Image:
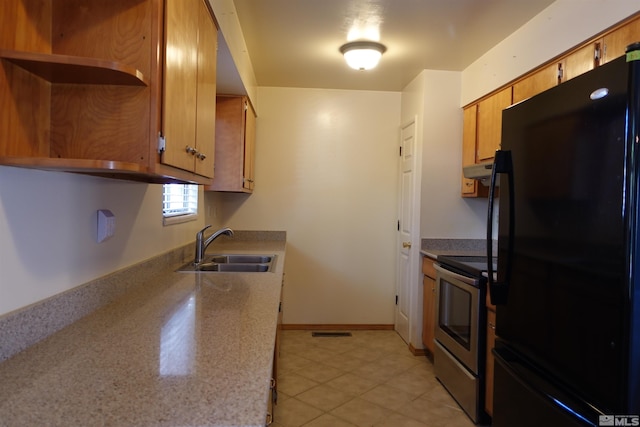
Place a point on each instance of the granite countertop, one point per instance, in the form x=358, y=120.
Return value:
x=179, y=349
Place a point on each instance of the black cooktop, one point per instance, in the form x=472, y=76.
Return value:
x=470, y=265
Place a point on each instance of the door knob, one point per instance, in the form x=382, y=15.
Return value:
x=406, y=244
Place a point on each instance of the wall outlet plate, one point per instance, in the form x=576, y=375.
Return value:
x=106, y=225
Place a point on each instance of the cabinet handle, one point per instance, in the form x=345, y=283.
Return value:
x=406, y=244
x=190, y=150
x=492, y=326
x=201, y=156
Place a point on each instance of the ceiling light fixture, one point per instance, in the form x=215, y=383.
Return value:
x=362, y=55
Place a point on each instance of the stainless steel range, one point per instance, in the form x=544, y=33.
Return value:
x=459, y=356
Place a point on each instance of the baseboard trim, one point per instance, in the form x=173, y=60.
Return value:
x=336, y=327
x=417, y=351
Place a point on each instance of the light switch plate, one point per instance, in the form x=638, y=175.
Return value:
x=106, y=224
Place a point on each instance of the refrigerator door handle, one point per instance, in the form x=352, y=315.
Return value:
x=499, y=290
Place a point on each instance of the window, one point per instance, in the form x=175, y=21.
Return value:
x=179, y=203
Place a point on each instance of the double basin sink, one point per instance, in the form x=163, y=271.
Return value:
x=240, y=263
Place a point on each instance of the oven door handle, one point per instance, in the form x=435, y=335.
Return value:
x=464, y=279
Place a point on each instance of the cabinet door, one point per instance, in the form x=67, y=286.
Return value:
x=491, y=342
x=469, y=147
x=180, y=82
x=249, y=147
x=537, y=82
x=428, y=303
x=616, y=42
x=235, y=142
x=206, y=93
x=490, y=123
x=581, y=60
x=229, y=162
x=428, y=319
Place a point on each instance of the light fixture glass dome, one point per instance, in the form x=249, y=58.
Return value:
x=362, y=55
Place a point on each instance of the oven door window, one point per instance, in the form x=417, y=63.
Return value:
x=454, y=316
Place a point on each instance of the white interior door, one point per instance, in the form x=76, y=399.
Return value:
x=405, y=230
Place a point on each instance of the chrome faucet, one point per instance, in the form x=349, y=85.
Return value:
x=201, y=244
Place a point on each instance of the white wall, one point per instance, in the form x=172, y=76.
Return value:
x=558, y=28
x=444, y=213
x=326, y=164
x=48, y=231
x=433, y=97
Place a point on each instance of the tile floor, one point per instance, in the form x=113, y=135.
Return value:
x=368, y=379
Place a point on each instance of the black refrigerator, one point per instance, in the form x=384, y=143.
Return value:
x=567, y=282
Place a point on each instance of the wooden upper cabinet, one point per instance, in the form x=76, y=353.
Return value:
x=189, y=86
x=469, y=120
x=537, y=82
x=180, y=82
x=482, y=127
x=490, y=123
x=471, y=187
x=75, y=84
x=235, y=142
x=582, y=60
x=616, y=42
x=81, y=87
x=206, y=103
x=601, y=50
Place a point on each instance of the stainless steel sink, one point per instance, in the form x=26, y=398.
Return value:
x=239, y=263
x=247, y=268
x=240, y=259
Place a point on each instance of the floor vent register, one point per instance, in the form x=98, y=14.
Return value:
x=330, y=334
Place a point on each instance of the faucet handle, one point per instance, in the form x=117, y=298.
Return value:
x=201, y=232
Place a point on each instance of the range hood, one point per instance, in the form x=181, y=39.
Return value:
x=480, y=171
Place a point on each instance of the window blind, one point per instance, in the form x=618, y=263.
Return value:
x=179, y=199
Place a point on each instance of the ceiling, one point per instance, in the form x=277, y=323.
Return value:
x=294, y=43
